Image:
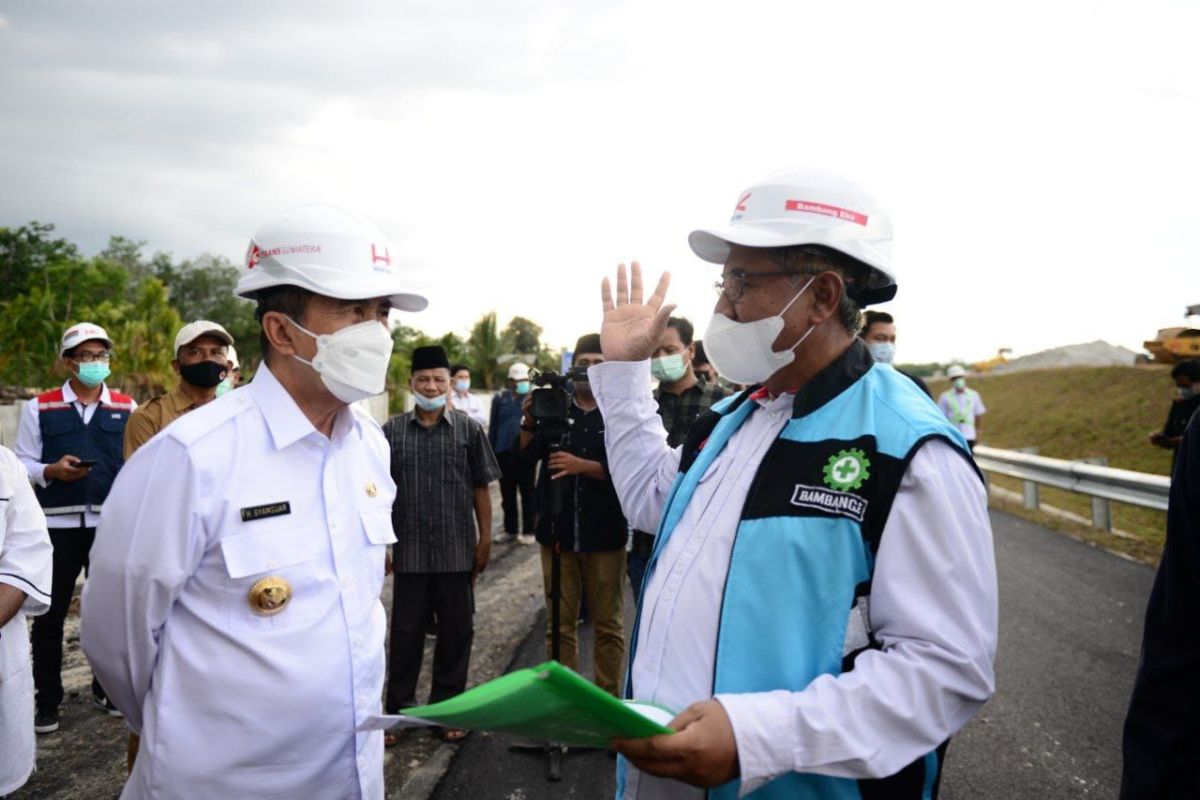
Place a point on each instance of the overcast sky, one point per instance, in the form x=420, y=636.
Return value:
x=1039, y=158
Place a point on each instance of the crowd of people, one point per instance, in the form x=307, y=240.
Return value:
x=803, y=528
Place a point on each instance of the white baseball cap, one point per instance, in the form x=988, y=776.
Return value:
x=329, y=251
x=231, y=354
x=956, y=371
x=201, y=327
x=518, y=372
x=809, y=206
x=83, y=332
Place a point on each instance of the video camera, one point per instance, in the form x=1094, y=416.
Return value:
x=550, y=404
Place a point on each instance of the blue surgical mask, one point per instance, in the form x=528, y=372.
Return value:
x=522, y=387
x=883, y=352
x=1187, y=392
x=429, y=403
x=93, y=373
x=462, y=386
x=224, y=386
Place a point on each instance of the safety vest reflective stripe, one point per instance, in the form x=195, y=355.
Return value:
x=50, y=512
x=962, y=415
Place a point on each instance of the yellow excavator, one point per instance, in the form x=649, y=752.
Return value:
x=1173, y=345
x=1001, y=357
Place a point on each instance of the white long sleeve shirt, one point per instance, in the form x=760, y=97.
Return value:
x=25, y=563
x=230, y=703
x=28, y=448
x=933, y=603
x=471, y=405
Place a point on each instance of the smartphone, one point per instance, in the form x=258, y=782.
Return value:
x=84, y=463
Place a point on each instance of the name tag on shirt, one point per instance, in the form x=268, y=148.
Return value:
x=251, y=513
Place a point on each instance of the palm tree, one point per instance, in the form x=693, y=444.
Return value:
x=485, y=346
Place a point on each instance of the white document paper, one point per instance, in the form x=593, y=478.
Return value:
x=383, y=722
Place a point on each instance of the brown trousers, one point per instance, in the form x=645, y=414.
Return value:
x=602, y=576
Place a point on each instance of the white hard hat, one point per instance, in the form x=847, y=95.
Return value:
x=955, y=371
x=518, y=372
x=83, y=332
x=329, y=251
x=232, y=355
x=201, y=327
x=815, y=207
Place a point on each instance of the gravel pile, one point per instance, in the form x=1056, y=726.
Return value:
x=1092, y=354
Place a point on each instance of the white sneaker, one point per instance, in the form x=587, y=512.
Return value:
x=526, y=538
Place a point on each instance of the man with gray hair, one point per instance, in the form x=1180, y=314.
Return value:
x=820, y=604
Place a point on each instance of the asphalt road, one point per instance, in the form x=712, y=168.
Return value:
x=1070, y=629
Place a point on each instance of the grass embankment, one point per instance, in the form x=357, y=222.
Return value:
x=1082, y=412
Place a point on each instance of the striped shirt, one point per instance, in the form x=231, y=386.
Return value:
x=436, y=471
x=679, y=411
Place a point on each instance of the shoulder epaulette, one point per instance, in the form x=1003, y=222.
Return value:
x=195, y=425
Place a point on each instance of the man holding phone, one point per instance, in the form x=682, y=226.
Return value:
x=70, y=442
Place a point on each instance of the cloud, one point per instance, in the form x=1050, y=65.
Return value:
x=1034, y=156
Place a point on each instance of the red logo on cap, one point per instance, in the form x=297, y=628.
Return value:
x=828, y=211
x=741, y=203
x=385, y=258
x=252, y=256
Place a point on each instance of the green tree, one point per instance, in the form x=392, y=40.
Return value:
x=548, y=359
x=523, y=336
x=202, y=288
x=485, y=346
x=70, y=290
x=143, y=334
x=25, y=253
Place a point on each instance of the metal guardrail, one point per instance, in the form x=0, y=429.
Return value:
x=1088, y=476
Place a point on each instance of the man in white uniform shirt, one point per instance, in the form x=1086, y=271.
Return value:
x=461, y=397
x=821, y=600
x=25, y=565
x=233, y=611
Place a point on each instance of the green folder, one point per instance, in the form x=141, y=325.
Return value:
x=549, y=702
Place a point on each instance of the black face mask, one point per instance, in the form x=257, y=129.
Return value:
x=204, y=375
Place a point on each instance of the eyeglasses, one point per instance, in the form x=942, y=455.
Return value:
x=88, y=358
x=734, y=283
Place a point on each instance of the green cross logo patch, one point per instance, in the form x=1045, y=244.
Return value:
x=847, y=469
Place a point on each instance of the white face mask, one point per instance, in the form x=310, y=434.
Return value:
x=352, y=362
x=883, y=352
x=742, y=352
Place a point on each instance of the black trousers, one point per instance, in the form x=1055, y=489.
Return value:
x=516, y=475
x=449, y=596
x=71, y=549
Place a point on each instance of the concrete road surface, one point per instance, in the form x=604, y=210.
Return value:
x=1070, y=629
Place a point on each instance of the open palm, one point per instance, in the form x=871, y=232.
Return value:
x=631, y=328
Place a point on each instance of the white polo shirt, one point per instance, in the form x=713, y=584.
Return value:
x=230, y=703
x=471, y=405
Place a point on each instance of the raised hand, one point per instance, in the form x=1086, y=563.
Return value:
x=631, y=329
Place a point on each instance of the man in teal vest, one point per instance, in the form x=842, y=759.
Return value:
x=820, y=604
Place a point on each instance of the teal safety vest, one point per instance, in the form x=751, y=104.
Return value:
x=804, y=551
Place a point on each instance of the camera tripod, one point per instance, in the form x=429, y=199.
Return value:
x=553, y=502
